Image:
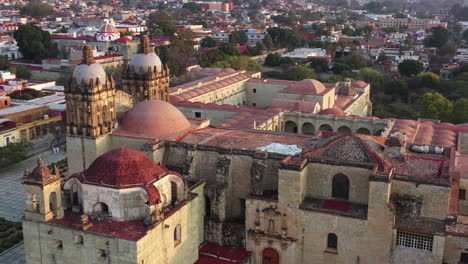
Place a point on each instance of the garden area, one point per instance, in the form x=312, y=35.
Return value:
x=10, y=234
x=27, y=94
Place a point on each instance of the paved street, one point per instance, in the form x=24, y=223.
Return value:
x=12, y=198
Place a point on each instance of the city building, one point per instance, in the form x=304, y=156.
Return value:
x=284, y=171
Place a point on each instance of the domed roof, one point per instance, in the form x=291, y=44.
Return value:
x=122, y=168
x=141, y=62
x=311, y=86
x=332, y=111
x=88, y=69
x=153, y=118
x=83, y=73
x=108, y=28
x=146, y=59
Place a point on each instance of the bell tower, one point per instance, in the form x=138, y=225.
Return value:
x=91, y=112
x=43, y=193
x=90, y=99
x=146, y=77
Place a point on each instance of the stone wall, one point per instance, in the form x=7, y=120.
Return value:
x=434, y=198
x=320, y=177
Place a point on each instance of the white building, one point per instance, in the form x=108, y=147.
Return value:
x=306, y=53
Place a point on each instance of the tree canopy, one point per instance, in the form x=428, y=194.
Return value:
x=208, y=42
x=436, y=106
x=34, y=43
x=439, y=36
x=192, y=6
x=410, y=67
x=302, y=72
x=238, y=37
x=37, y=9
x=160, y=24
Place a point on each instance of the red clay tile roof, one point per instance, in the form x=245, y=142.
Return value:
x=332, y=111
x=212, y=253
x=307, y=86
x=122, y=168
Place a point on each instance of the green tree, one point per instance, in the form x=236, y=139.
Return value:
x=354, y=60
x=210, y=57
x=243, y=63
x=259, y=46
x=229, y=49
x=34, y=43
x=465, y=35
x=369, y=75
x=174, y=67
x=460, y=111
x=193, y=7
x=268, y=42
x=4, y=63
x=347, y=31
x=23, y=72
x=436, y=106
x=238, y=37
x=37, y=9
x=273, y=59
x=398, y=88
x=286, y=61
x=382, y=57
x=13, y=153
x=320, y=65
x=341, y=68
x=410, y=67
x=208, y=42
x=429, y=80
x=158, y=22
x=439, y=36
x=302, y=72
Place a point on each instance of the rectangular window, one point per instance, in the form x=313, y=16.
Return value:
x=254, y=90
x=416, y=241
x=197, y=114
x=461, y=194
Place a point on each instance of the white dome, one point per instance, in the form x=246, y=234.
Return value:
x=140, y=62
x=83, y=73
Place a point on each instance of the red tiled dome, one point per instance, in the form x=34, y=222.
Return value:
x=153, y=118
x=108, y=28
x=307, y=86
x=122, y=168
x=359, y=84
x=332, y=111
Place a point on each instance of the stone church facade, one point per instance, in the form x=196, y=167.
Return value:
x=303, y=176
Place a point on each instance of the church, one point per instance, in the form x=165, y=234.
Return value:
x=232, y=168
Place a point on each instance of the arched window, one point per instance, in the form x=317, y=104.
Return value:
x=271, y=226
x=308, y=128
x=363, y=130
x=74, y=195
x=340, y=187
x=325, y=127
x=270, y=256
x=290, y=126
x=173, y=192
x=332, y=241
x=344, y=130
x=53, y=203
x=101, y=208
x=177, y=235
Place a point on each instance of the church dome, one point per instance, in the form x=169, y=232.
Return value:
x=108, y=28
x=83, y=73
x=122, y=168
x=153, y=118
x=88, y=69
x=146, y=58
x=141, y=62
x=306, y=86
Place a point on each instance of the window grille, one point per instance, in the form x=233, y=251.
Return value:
x=416, y=241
